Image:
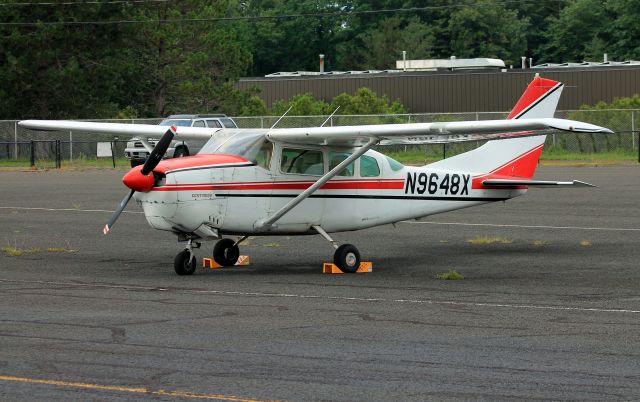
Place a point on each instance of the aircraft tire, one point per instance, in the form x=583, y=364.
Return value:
x=181, y=152
x=347, y=258
x=226, y=252
x=184, y=264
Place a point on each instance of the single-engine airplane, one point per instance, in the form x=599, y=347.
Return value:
x=321, y=180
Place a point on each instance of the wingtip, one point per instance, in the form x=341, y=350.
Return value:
x=105, y=230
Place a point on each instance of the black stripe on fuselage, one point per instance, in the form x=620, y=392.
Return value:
x=367, y=197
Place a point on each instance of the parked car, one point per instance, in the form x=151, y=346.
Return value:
x=137, y=153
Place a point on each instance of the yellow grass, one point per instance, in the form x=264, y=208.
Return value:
x=17, y=252
x=452, y=275
x=486, y=240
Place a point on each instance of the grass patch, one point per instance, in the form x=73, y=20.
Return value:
x=18, y=252
x=550, y=156
x=271, y=244
x=80, y=163
x=12, y=251
x=486, y=240
x=539, y=243
x=585, y=243
x=620, y=155
x=452, y=275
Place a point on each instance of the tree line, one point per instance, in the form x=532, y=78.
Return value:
x=151, y=58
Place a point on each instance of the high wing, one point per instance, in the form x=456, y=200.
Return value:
x=143, y=130
x=428, y=133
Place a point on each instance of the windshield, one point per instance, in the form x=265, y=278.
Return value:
x=247, y=144
x=173, y=122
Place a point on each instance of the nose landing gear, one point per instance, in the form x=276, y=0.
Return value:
x=185, y=261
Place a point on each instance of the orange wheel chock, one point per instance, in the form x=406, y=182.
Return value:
x=210, y=262
x=329, y=268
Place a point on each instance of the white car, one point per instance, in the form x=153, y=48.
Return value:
x=137, y=153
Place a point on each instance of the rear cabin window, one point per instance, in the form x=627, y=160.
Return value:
x=302, y=161
x=214, y=124
x=395, y=165
x=334, y=160
x=369, y=167
x=198, y=123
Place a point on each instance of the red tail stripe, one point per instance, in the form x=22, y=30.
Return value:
x=537, y=88
x=522, y=166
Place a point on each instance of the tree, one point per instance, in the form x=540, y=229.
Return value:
x=366, y=101
x=292, y=44
x=488, y=30
x=186, y=65
x=578, y=33
x=539, y=14
x=62, y=71
x=624, y=42
x=381, y=45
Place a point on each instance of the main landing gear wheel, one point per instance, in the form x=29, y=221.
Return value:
x=184, y=264
x=180, y=153
x=226, y=252
x=347, y=258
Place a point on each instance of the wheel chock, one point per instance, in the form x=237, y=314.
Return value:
x=329, y=268
x=211, y=263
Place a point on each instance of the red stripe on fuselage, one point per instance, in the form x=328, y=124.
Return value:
x=384, y=184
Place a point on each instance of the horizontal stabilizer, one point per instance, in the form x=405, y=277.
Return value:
x=533, y=183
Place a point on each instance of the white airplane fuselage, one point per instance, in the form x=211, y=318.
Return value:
x=232, y=199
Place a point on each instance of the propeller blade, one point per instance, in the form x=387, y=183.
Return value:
x=158, y=151
x=117, y=212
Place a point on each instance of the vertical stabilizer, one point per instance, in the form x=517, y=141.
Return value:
x=516, y=157
x=540, y=99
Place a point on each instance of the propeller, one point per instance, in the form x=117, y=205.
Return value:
x=139, y=179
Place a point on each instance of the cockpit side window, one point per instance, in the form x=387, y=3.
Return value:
x=302, y=161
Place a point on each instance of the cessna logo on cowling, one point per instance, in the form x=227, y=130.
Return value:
x=434, y=183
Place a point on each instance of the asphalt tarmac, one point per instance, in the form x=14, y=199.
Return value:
x=550, y=312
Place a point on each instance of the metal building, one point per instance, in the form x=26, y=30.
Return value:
x=461, y=90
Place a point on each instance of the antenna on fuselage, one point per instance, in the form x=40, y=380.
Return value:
x=328, y=118
x=278, y=121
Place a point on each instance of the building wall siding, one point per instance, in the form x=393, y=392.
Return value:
x=442, y=92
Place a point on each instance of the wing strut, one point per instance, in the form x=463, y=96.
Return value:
x=264, y=224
